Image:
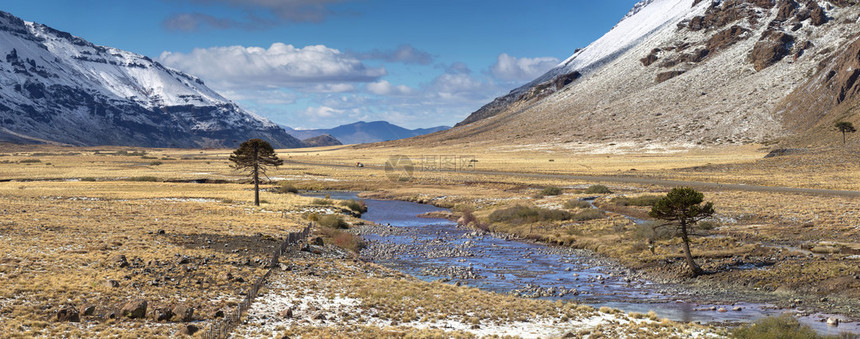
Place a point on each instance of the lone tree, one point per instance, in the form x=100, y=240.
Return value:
x=845, y=127
x=255, y=156
x=682, y=207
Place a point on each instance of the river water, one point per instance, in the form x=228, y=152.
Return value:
x=437, y=249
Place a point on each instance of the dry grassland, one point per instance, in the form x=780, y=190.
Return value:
x=68, y=212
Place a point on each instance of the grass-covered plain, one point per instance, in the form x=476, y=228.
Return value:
x=69, y=212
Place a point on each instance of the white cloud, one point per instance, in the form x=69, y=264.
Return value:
x=510, y=68
x=323, y=112
x=385, y=88
x=279, y=66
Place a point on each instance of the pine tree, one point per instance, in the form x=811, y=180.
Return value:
x=255, y=156
x=682, y=207
x=845, y=127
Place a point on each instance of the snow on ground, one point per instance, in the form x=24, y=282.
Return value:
x=314, y=306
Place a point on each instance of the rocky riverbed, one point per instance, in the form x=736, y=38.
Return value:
x=435, y=249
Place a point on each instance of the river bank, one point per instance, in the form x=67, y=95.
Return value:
x=706, y=301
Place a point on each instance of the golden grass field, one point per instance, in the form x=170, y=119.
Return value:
x=67, y=212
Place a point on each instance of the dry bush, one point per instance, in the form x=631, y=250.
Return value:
x=520, y=214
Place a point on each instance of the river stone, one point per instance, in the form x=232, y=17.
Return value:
x=722, y=309
x=832, y=321
x=737, y=309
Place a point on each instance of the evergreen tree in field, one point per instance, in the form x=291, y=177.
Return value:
x=845, y=127
x=255, y=156
x=682, y=208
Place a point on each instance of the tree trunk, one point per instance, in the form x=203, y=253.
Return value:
x=843, y=137
x=256, y=176
x=695, y=270
x=256, y=185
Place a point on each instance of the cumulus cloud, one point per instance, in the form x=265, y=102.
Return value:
x=385, y=88
x=510, y=68
x=259, y=13
x=311, y=69
x=404, y=53
x=323, y=112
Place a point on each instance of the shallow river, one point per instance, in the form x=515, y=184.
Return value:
x=433, y=249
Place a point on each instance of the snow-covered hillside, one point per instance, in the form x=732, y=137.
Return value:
x=58, y=87
x=683, y=72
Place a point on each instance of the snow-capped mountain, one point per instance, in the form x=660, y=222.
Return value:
x=57, y=87
x=686, y=72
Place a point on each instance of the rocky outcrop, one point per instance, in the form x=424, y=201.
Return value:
x=661, y=77
x=827, y=96
x=773, y=47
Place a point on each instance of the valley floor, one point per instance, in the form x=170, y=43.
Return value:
x=105, y=226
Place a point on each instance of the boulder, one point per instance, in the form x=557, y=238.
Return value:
x=188, y=329
x=833, y=321
x=110, y=283
x=162, y=314
x=183, y=313
x=134, y=309
x=68, y=314
x=318, y=241
x=89, y=310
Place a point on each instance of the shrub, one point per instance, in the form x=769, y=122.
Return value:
x=343, y=239
x=331, y=221
x=576, y=203
x=469, y=219
x=782, y=327
x=643, y=200
x=322, y=202
x=552, y=190
x=598, y=189
x=707, y=225
x=155, y=163
x=30, y=161
x=354, y=205
x=88, y=179
x=286, y=188
x=589, y=214
x=520, y=214
x=146, y=157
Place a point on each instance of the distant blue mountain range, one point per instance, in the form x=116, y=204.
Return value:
x=365, y=132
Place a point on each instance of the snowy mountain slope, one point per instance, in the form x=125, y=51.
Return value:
x=645, y=19
x=61, y=88
x=676, y=72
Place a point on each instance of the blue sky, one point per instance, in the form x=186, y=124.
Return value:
x=322, y=63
